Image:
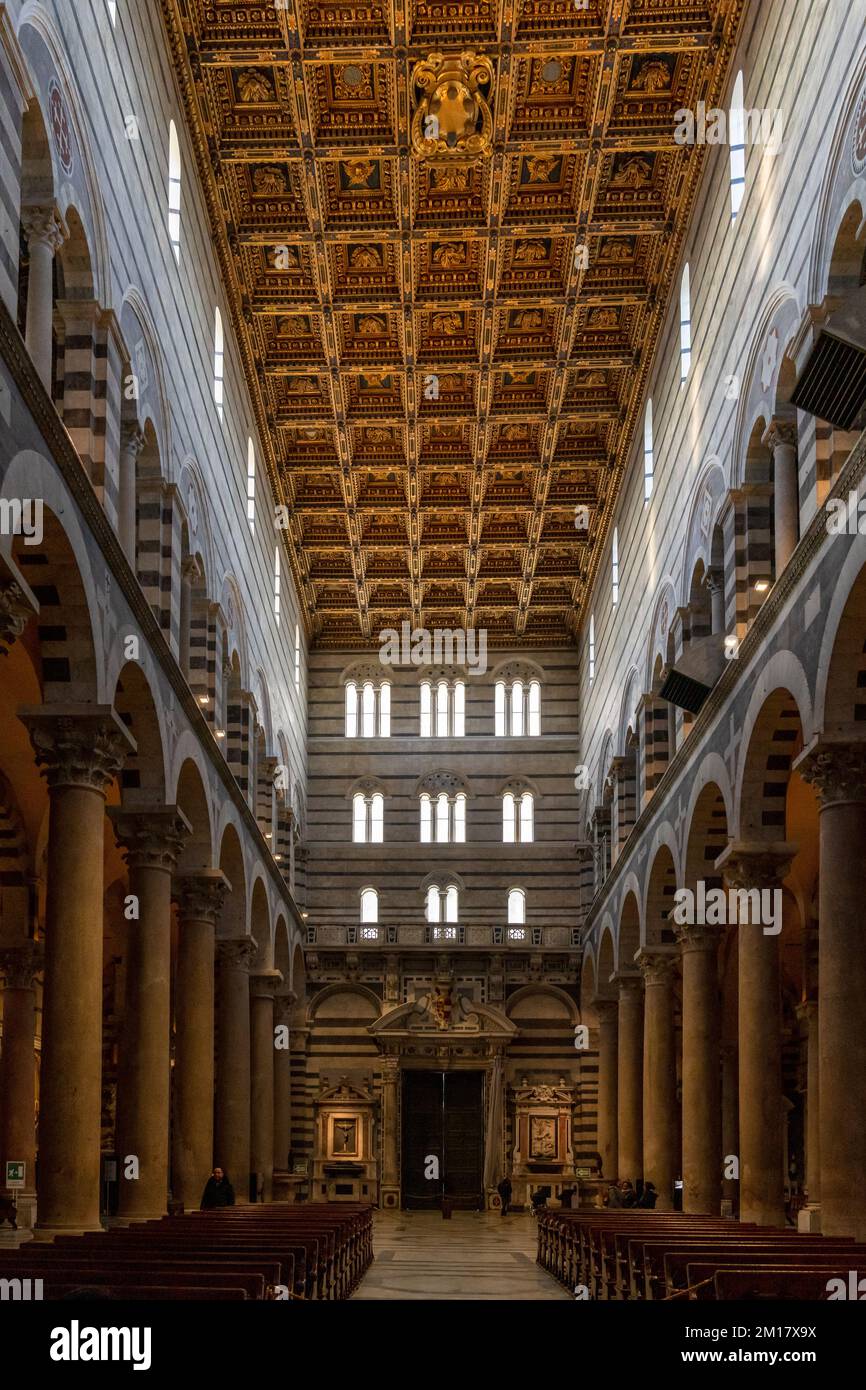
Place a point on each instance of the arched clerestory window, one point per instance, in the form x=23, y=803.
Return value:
x=174, y=181
x=737, y=136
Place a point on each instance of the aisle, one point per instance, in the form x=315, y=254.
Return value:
x=474, y=1255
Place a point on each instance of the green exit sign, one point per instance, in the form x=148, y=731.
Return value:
x=15, y=1172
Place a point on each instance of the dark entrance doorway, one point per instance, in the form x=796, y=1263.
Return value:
x=443, y=1117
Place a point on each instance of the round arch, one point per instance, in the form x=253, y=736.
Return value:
x=779, y=712
x=231, y=861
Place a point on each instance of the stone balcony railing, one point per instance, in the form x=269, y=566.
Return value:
x=446, y=934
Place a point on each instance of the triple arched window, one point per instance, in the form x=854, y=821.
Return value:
x=368, y=818
x=443, y=818
x=517, y=708
x=368, y=709
x=443, y=709
x=518, y=818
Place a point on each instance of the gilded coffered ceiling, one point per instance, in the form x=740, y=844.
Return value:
x=448, y=232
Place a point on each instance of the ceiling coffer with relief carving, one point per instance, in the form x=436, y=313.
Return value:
x=448, y=234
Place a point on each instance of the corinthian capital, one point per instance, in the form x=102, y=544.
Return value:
x=43, y=226
x=780, y=432
x=697, y=936
x=78, y=745
x=151, y=838
x=836, y=768
x=21, y=964
x=200, y=896
x=756, y=865
x=236, y=953
x=657, y=964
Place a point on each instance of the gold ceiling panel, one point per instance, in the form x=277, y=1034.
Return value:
x=448, y=231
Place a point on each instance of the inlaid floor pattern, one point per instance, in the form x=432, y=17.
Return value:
x=474, y=1255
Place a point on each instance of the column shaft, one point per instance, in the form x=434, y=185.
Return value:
x=282, y=1084
x=700, y=1080
x=760, y=1090
x=18, y=1063
x=813, y=1091
x=152, y=839
x=660, y=1079
x=630, y=1080
x=232, y=1129
x=262, y=1082
x=82, y=752
x=730, y=1121
x=608, y=1070
x=200, y=898
x=842, y=1018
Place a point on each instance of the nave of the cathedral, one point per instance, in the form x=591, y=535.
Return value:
x=432, y=652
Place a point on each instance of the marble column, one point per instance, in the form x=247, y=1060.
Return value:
x=132, y=442
x=232, y=1127
x=390, y=1184
x=730, y=1121
x=81, y=748
x=757, y=868
x=200, y=897
x=781, y=439
x=46, y=232
x=20, y=965
x=608, y=1033
x=151, y=840
x=284, y=1003
x=660, y=1073
x=807, y=1012
x=837, y=770
x=701, y=1098
x=630, y=1078
x=715, y=582
x=263, y=985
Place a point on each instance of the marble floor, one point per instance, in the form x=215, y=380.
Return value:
x=475, y=1255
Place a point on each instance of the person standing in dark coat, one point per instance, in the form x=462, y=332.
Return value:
x=504, y=1190
x=218, y=1191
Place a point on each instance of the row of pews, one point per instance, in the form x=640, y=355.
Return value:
x=272, y=1251
x=668, y=1255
